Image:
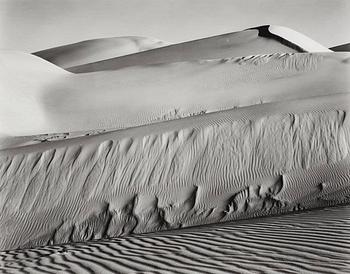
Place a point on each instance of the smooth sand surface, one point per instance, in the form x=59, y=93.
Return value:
x=310, y=242
x=98, y=49
x=45, y=99
x=254, y=41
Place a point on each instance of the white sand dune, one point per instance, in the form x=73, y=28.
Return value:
x=298, y=39
x=50, y=100
x=310, y=242
x=259, y=160
x=254, y=41
x=98, y=49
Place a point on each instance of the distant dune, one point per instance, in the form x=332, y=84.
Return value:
x=254, y=41
x=292, y=38
x=97, y=49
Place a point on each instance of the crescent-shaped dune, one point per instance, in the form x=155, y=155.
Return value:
x=98, y=49
x=254, y=41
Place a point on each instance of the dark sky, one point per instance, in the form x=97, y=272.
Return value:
x=31, y=25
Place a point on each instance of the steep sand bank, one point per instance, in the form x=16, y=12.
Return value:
x=260, y=160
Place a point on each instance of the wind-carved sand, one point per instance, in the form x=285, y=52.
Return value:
x=242, y=163
x=165, y=146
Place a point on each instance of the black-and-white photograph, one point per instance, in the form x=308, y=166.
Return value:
x=174, y=136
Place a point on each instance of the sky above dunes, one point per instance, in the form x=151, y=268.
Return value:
x=31, y=25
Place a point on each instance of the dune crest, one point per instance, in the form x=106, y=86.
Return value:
x=98, y=49
x=255, y=41
x=298, y=39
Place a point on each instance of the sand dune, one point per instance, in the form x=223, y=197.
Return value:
x=178, y=140
x=98, y=49
x=63, y=102
x=259, y=160
x=295, y=39
x=254, y=41
x=309, y=242
x=23, y=80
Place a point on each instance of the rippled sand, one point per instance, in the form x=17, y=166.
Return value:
x=310, y=242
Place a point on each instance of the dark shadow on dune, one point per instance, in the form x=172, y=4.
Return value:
x=343, y=47
x=265, y=32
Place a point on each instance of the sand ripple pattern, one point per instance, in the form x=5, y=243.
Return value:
x=178, y=178
x=310, y=242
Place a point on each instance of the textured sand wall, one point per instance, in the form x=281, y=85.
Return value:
x=222, y=171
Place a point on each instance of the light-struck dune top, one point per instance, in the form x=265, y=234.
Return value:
x=258, y=40
x=98, y=49
x=298, y=39
x=39, y=98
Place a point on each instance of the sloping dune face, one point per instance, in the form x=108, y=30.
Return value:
x=254, y=41
x=310, y=242
x=98, y=49
x=108, y=100
x=258, y=160
x=23, y=78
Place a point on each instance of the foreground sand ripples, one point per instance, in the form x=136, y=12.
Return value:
x=310, y=242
